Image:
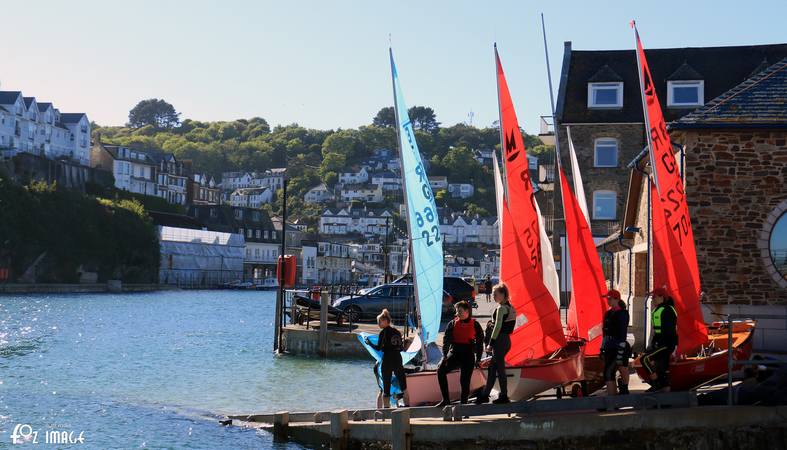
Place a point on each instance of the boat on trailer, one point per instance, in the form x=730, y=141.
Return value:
x=710, y=362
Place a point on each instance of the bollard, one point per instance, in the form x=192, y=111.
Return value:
x=281, y=423
x=324, y=327
x=340, y=430
x=400, y=429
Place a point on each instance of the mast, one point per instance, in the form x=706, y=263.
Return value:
x=407, y=206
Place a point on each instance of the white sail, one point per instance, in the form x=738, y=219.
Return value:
x=579, y=189
x=500, y=198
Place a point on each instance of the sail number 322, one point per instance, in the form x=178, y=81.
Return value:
x=426, y=220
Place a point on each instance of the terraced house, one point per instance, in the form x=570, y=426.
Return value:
x=38, y=128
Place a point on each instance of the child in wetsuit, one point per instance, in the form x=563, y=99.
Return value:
x=391, y=344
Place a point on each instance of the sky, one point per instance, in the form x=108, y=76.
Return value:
x=324, y=64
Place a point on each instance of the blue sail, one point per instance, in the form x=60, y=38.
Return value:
x=423, y=224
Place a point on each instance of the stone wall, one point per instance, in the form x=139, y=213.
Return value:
x=735, y=181
x=630, y=139
x=26, y=167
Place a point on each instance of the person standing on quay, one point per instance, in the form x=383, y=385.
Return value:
x=615, y=346
x=390, y=342
x=665, y=338
x=504, y=319
x=488, y=288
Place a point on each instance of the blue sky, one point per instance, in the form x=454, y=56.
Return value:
x=324, y=64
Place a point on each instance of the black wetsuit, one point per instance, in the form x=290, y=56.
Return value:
x=614, y=345
x=390, y=342
x=460, y=351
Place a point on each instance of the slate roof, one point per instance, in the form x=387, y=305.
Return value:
x=685, y=72
x=28, y=101
x=8, y=97
x=42, y=107
x=71, y=117
x=760, y=101
x=721, y=68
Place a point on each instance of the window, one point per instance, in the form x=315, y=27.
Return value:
x=240, y=231
x=273, y=234
x=249, y=232
x=605, y=95
x=685, y=93
x=265, y=233
x=239, y=214
x=606, y=153
x=778, y=245
x=213, y=213
x=258, y=234
x=604, y=205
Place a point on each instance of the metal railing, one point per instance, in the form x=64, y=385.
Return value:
x=731, y=361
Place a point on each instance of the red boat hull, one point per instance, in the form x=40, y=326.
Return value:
x=689, y=372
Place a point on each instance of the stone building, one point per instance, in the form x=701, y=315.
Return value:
x=735, y=169
x=599, y=100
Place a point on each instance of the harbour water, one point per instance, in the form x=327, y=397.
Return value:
x=157, y=370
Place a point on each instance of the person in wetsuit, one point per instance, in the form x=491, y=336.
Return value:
x=390, y=342
x=614, y=346
x=504, y=319
x=463, y=343
x=665, y=338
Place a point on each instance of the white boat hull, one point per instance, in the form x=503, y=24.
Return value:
x=424, y=389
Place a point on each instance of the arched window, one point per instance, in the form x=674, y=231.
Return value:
x=604, y=205
x=605, y=152
x=778, y=245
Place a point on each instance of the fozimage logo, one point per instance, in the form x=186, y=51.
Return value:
x=24, y=433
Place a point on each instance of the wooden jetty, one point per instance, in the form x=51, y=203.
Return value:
x=590, y=422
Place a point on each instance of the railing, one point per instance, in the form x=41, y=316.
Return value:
x=546, y=125
x=731, y=362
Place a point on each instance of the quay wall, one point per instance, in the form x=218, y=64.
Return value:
x=307, y=343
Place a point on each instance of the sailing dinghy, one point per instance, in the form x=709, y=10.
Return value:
x=426, y=260
x=540, y=358
x=701, y=356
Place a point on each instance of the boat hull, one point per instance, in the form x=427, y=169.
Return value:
x=689, y=372
x=423, y=388
x=538, y=375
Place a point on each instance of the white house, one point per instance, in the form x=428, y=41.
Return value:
x=394, y=164
x=39, y=128
x=134, y=170
x=460, y=190
x=271, y=178
x=366, y=221
x=251, y=197
x=362, y=176
x=235, y=180
x=388, y=180
x=172, y=179
x=333, y=262
x=366, y=192
x=318, y=194
x=460, y=229
x=438, y=183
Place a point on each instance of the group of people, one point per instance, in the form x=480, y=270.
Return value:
x=465, y=341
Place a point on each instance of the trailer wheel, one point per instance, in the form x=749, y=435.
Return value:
x=576, y=390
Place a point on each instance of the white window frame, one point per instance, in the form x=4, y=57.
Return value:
x=595, y=199
x=595, y=151
x=700, y=92
x=592, y=87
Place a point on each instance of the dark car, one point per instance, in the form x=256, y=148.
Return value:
x=397, y=297
x=456, y=287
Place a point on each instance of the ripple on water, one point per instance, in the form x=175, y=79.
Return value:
x=156, y=368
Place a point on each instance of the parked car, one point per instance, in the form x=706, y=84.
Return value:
x=456, y=287
x=397, y=297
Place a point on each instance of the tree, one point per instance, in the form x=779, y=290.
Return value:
x=155, y=112
x=423, y=118
x=460, y=164
x=385, y=117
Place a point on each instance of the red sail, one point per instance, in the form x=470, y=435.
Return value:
x=587, y=308
x=670, y=268
x=682, y=279
x=521, y=197
x=539, y=331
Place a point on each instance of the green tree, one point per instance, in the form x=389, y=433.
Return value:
x=154, y=112
x=423, y=118
x=460, y=164
x=385, y=117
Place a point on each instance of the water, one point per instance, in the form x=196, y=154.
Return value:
x=156, y=370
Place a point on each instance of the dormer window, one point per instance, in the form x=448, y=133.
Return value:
x=685, y=93
x=605, y=95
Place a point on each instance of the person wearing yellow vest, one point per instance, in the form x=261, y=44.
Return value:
x=665, y=338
